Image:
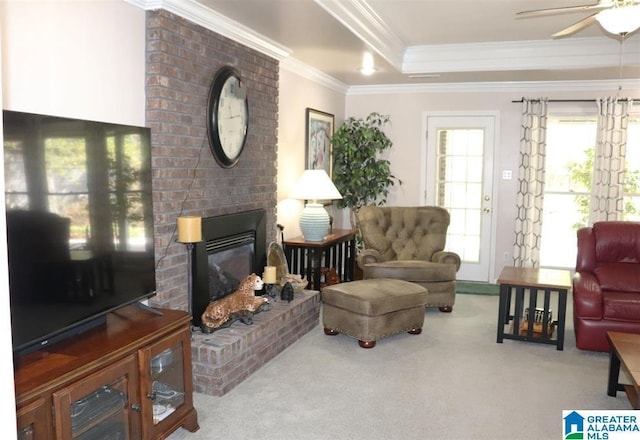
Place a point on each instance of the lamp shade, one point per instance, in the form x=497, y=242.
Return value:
x=620, y=20
x=315, y=185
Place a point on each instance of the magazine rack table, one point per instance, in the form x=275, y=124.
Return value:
x=515, y=280
x=337, y=251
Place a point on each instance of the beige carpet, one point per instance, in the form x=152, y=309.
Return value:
x=451, y=382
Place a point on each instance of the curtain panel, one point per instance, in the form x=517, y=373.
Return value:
x=607, y=188
x=528, y=225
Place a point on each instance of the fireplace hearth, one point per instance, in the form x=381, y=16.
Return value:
x=223, y=359
x=232, y=247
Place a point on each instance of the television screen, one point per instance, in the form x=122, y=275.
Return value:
x=79, y=223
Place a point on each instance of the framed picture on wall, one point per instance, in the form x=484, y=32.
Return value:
x=318, y=140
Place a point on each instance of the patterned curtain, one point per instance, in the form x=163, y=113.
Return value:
x=528, y=227
x=608, y=168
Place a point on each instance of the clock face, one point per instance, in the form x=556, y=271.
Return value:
x=228, y=116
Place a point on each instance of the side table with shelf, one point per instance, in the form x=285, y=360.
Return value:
x=516, y=280
x=336, y=251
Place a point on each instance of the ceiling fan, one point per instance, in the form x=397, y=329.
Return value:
x=618, y=17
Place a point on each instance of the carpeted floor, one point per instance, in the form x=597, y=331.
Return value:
x=451, y=382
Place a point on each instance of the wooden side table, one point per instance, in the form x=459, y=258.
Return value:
x=625, y=352
x=517, y=280
x=337, y=251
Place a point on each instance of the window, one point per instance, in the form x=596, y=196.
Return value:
x=568, y=173
x=459, y=188
x=69, y=168
x=66, y=183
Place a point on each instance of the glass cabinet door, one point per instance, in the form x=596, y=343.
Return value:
x=163, y=381
x=103, y=406
x=167, y=386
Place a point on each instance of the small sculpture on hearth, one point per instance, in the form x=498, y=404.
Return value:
x=241, y=304
x=271, y=290
x=287, y=292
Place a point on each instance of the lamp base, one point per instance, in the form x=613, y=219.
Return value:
x=314, y=222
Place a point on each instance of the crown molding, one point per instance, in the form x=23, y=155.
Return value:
x=520, y=55
x=497, y=87
x=218, y=23
x=304, y=70
x=363, y=21
x=514, y=55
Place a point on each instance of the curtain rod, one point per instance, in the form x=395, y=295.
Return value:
x=569, y=100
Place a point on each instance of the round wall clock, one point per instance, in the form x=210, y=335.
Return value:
x=227, y=116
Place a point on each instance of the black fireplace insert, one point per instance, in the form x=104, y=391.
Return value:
x=232, y=247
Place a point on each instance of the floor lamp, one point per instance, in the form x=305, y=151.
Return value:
x=190, y=232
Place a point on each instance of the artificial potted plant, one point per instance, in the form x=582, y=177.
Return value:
x=360, y=174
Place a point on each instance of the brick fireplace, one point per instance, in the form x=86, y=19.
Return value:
x=181, y=61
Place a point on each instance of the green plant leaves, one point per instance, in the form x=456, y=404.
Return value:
x=361, y=176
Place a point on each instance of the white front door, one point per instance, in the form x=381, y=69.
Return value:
x=458, y=176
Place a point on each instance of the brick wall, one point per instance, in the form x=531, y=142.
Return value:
x=182, y=59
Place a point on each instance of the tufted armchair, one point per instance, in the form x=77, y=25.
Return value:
x=407, y=243
x=606, y=285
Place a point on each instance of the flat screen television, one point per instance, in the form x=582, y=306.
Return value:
x=79, y=223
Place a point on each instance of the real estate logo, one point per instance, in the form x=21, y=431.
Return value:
x=600, y=425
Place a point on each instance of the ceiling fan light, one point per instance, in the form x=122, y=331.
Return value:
x=621, y=20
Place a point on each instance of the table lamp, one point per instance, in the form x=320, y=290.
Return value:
x=190, y=232
x=315, y=185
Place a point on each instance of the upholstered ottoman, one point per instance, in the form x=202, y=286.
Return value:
x=438, y=278
x=372, y=309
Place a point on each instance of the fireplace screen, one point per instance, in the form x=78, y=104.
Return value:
x=230, y=261
x=233, y=246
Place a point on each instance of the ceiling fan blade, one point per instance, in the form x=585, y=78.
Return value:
x=551, y=11
x=576, y=26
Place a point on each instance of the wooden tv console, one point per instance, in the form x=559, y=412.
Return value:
x=130, y=378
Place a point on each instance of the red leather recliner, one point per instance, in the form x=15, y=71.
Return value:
x=606, y=285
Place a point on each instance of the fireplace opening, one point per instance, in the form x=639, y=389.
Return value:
x=233, y=246
x=230, y=260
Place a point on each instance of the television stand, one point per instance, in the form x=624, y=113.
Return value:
x=139, y=364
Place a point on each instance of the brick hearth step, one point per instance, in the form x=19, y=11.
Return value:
x=223, y=359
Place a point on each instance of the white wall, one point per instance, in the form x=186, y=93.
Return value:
x=406, y=110
x=296, y=94
x=83, y=59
